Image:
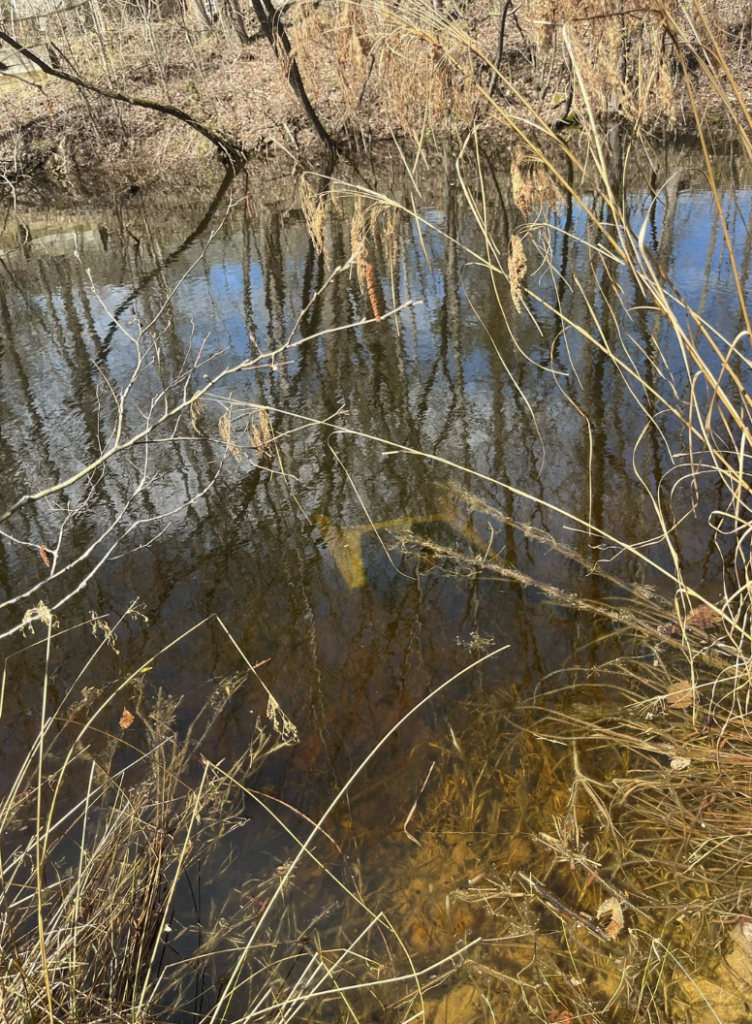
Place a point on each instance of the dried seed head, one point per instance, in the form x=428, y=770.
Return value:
x=260, y=432
x=517, y=269
x=197, y=410
x=225, y=432
x=281, y=724
x=314, y=211
x=42, y=613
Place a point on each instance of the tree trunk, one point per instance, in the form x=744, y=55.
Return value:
x=499, y=49
x=235, y=16
x=274, y=29
x=200, y=11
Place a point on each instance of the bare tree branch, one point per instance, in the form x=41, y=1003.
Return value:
x=230, y=149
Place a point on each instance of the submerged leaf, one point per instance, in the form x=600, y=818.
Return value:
x=126, y=719
x=704, y=618
x=612, y=907
x=680, y=695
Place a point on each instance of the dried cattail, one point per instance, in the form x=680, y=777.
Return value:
x=367, y=277
x=260, y=432
x=225, y=432
x=313, y=206
x=517, y=269
x=371, y=287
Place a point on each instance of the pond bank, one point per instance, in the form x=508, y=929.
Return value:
x=370, y=76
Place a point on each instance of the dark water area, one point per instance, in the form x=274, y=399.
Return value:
x=349, y=627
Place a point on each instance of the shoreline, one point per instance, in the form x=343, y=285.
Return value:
x=61, y=139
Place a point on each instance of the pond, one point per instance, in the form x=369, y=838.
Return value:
x=305, y=547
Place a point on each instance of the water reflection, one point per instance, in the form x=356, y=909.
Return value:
x=351, y=633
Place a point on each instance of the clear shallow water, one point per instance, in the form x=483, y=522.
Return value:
x=346, y=657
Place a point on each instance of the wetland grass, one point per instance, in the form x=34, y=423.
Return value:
x=105, y=832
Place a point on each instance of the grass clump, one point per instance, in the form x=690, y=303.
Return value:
x=105, y=839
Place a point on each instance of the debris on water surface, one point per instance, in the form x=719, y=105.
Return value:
x=680, y=764
x=126, y=719
x=680, y=695
x=611, y=908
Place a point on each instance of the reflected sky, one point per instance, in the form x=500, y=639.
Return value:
x=458, y=374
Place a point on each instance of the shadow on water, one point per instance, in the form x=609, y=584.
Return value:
x=351, y=626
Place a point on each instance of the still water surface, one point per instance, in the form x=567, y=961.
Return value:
x=348, y=645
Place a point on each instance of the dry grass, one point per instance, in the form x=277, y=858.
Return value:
x=628, y=783
x=123, y=810
x=125, y=895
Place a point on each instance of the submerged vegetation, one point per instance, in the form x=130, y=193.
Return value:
x=577, y=852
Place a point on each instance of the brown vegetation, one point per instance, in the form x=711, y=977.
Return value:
x=620, y=886
x=355, y=72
